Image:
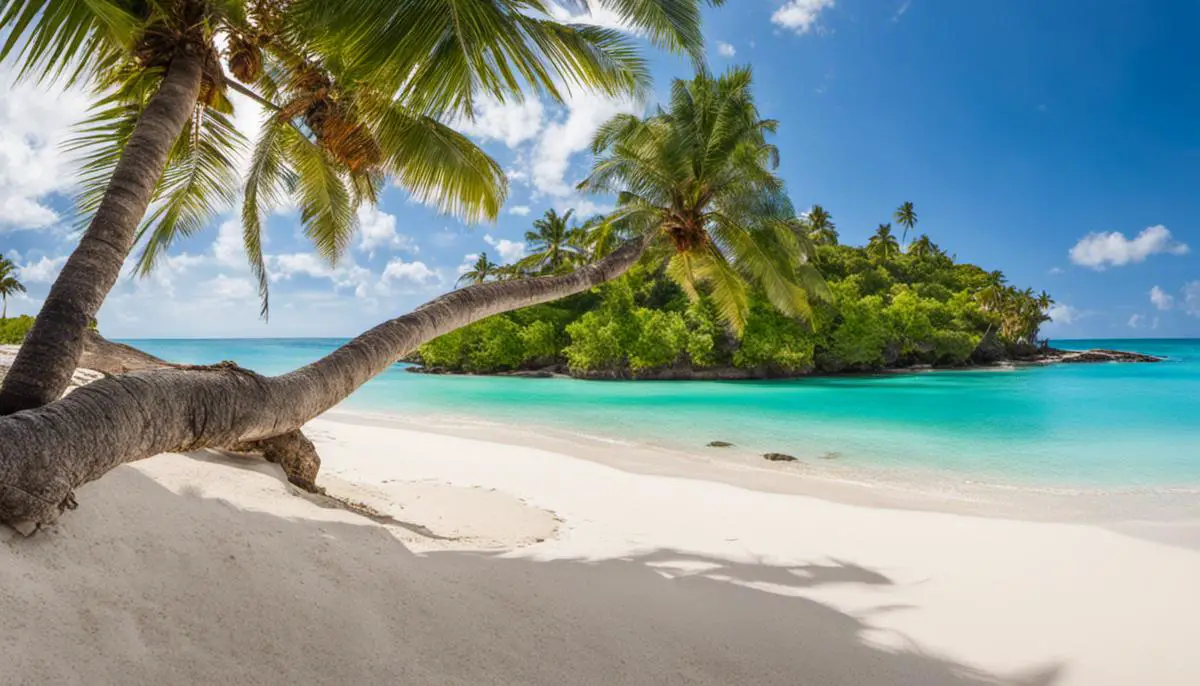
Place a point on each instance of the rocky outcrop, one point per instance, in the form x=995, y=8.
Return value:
x=719, y=444
x=1098, y=355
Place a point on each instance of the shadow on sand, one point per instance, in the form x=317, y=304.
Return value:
x=160, y=587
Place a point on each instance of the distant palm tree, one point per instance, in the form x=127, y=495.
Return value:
x=883, y=245
x=923, y=248
x=552, y=244
x=8, y=283
x=482, y=270
x=1044, y=301
x=601, y=235
x=821, y=229
x=906, y=216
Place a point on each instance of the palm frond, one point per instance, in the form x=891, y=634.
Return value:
x=440, y=166
x=64, y=39
x=199, y=182
x=326, y=210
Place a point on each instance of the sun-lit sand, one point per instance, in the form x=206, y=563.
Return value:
x=497, y=563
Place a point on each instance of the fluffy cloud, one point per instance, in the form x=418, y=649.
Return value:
x=512, y=122
x=344, y=275
x=1099, y=250
x=44, y=270
x=1161, y=299
x=34, y=121
x=1135, y=321
x=800, y=15
x=230, y=288
x=399, y=272
x=725, y=49
x=377, y=229
x=519, y=210
x=1191, y=298
x=509, y=251
x=595, y=14
x=1062, y=313
x=572, y=134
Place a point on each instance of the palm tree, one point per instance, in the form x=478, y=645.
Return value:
x=907, y=217
x=923, y=248
x=696, y=180
x=481, y=270
x=8, y=284
x=357, y=95
x=883, y=246
x=1044, y=301
x=821, y=229
x=552, y=244
x=600, y=235
x=716, y=223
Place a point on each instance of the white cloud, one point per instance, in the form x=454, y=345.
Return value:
x=519, y=210
x=800, y=15
x=35, y=119
x=344, y=275
x=229, y=249
x=512, y=122
x=1062, y=313
x=584, y=207
x=595, y=15
x=377, y=229
x=562, y=139
x=1135, y=322
x=509, y=251
x=230, y=288
x=414, y=273
x=467, y=263
x=1098, y=250
x=1191, y=298
x=44, y=270
x=1161, y=299
x=725, y=49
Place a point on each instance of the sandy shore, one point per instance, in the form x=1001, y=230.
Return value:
x=500, y=563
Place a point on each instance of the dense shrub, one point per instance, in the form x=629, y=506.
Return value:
x=14, y=329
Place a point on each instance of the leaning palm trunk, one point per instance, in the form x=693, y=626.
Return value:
x=46, y=453
x=51, y=352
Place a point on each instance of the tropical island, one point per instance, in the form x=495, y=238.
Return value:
x=889, y=305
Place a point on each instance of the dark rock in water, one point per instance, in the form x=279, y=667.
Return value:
x=719, y=444
x=531, y=374
x=831, y=455
x=779, y=457
x=1101, y=355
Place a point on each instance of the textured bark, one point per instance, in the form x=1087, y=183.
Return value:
x=294, y=453
x=51, y=352
x=47, y=452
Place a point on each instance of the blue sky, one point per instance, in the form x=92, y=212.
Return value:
x=1058, y=141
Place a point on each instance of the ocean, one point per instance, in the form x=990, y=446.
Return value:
x=1126, y=426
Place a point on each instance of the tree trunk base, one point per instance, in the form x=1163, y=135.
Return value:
x=294, y=453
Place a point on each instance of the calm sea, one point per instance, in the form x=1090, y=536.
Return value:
x=1097, y=425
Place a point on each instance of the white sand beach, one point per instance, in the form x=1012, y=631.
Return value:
x=497, y=563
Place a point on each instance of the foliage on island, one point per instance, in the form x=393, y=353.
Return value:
x=891, y=306
x=14, y=329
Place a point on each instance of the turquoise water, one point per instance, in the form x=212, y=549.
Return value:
x=1098, y=425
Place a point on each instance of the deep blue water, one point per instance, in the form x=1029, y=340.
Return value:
x=1126, y=425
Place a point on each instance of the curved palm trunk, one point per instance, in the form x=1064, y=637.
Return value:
x=47, y=452
x=52, y=349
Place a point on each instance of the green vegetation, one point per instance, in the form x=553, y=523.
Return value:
x=890, y=307
x=12, y=331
